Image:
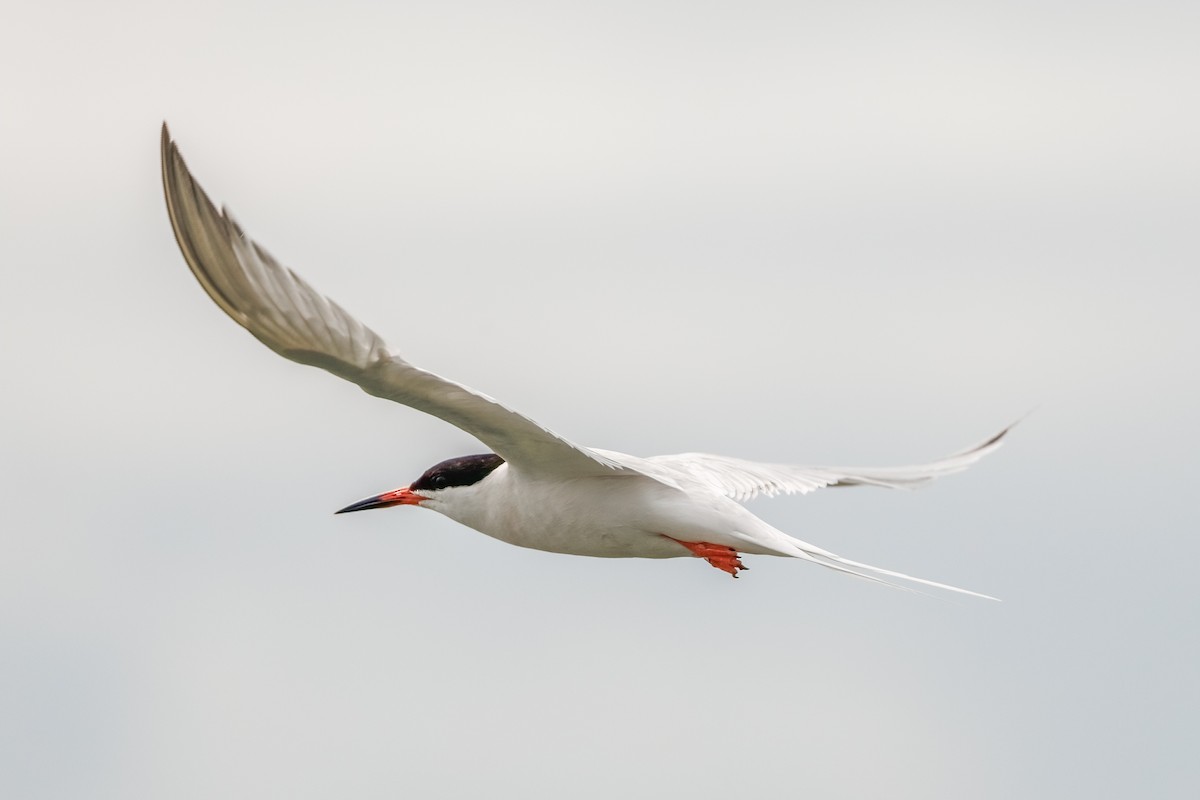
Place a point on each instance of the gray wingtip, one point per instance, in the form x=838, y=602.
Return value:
x=996, y=440
x=168, y=146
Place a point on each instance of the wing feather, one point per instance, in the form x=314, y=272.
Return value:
x=743, y=480
x=282, y=311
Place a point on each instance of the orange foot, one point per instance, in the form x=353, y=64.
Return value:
x=722, y=557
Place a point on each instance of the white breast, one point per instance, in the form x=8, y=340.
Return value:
x=618, y=516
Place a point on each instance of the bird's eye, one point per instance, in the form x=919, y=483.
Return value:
x=439, y=481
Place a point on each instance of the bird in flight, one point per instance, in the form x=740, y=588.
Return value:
x=535, y=489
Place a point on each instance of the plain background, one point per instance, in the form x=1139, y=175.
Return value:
x=855, y=233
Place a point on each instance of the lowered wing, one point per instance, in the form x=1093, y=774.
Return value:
x=742, y=480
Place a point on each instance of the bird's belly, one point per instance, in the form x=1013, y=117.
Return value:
x=605, y=519
x=608, y=517
x=598, y=538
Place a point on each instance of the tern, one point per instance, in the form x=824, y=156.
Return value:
x=535, y=489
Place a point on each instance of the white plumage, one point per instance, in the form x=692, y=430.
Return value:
x=549, y=493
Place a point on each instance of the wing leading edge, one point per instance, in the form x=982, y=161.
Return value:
x=282, y=311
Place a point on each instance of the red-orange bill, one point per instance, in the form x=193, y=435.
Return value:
x=396, y=497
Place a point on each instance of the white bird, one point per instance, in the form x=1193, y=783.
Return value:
x=537, y=489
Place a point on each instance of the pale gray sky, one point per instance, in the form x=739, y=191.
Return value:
x=822, y=233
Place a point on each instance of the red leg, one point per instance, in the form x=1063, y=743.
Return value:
x=722, y=557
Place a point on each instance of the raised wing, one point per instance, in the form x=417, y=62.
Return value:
x=742, y=480
x=290, y=317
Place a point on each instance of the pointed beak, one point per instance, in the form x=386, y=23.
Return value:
x=396, y=497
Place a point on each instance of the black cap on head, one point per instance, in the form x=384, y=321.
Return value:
x=463, y=471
